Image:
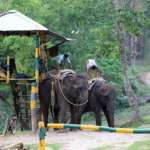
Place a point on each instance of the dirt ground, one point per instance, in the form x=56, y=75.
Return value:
x=79, y=140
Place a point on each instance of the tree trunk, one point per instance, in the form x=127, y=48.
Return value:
x=140, y=46
x=132, y=99
x=132, y=49
x=124, y=41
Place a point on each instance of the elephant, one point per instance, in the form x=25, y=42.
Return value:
x=71, y=94
x=101, y=97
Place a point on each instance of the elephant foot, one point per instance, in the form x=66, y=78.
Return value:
x=62, y=130
x=74, y=129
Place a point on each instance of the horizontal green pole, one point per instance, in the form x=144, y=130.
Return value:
x=72, y=126
x=99, y=128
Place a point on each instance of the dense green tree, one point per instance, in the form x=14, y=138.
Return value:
x=92, y=23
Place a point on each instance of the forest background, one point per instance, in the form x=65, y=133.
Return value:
x=94, y=25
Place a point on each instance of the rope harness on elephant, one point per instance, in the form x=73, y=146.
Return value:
x=78, y=105
x=60, y=76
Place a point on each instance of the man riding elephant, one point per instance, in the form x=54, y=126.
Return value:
x=92, y=69
x=101, y=95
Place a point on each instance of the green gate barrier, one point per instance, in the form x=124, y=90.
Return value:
x=84, y=127
x=98, y=128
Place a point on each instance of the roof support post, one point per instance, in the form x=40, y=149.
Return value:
x=37, y=53
x=43, y=56
x=8, y=70
x=34, y=88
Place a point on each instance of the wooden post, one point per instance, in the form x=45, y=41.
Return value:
x=8, y=72
x=33, y=106
x=43, y=56
x=37, y=52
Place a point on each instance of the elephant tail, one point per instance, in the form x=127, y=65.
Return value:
x=52, y=111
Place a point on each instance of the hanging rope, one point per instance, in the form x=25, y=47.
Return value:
x=57, y=78
x=52, y=99
x=78, y=105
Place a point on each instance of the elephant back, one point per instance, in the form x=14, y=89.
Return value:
x=94, y=81
x=64, y=73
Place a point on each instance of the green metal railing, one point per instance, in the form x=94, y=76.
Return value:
x=85, y=127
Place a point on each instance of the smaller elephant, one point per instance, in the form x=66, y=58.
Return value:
x=101, y=97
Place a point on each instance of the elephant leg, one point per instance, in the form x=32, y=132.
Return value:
x=75, y=115
x=62, y=115
x=73, y=120
x=97, y=113
x=55, y=119
x=109, y=116
x=79, y=114
x=56, y=113
x=46, y=117
x=61, y=118
x=79, y=119
x=98, y=117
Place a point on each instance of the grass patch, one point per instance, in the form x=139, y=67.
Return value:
x=122, y=117
x=101, y=148
x=145, y=122
x=141, y=145
x=55, y=146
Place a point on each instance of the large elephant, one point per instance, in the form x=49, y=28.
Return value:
x=101, y=97
x=71, y=94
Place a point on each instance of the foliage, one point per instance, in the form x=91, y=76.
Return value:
x=22, y=48
x=52, y=146
x=92, y=23
x=122, y=116
x=5, y=112
x=101, y=148
x=134, y=21
x=145, y=145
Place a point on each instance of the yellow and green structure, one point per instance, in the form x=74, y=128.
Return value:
x=42, y=131
x=86, y=127
x=23, y=25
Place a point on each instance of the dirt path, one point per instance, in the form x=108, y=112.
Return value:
x=79, y=140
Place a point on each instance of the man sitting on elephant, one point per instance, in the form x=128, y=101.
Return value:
x=101, y=95
x=92, y=69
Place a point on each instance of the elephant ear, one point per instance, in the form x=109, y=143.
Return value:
x=104, y=90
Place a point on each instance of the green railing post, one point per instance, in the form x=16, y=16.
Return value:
x=41, y=144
